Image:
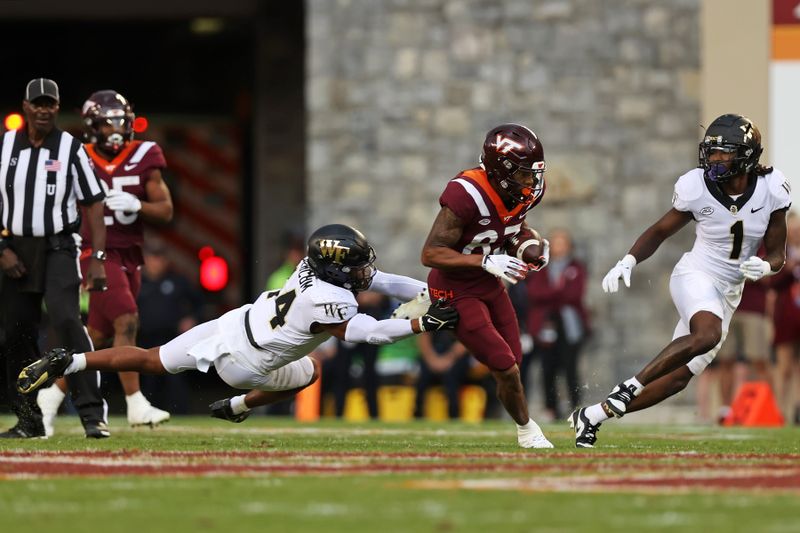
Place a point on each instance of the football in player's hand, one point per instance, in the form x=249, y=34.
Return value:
x=527, y=245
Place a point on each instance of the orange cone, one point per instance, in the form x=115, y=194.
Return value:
x=754, y=405
x=307, y=402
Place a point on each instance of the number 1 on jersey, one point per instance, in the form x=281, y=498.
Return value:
x=282, y=304
x=737, y=230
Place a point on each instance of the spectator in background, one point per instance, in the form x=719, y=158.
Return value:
x=294, y=250
x=442, y=358
x=168, y=305
x=557, y=319
x=339, y=367
x=787, y=324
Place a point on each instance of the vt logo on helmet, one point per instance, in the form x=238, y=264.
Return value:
x=108, y=121
x=513, y=157
x=730, y=147
x=341, y=255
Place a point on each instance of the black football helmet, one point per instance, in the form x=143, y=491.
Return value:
x=342, y=256
x=509, y=148
x=730, y=134
x=108, y=107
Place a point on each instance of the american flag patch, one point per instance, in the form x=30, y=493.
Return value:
x=52, y=165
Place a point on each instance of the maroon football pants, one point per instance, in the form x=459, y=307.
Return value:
x=488, y=328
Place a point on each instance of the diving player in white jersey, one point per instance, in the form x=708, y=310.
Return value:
x=263, y=346
x=736, y=203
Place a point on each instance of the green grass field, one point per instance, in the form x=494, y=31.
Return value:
x=268, y=474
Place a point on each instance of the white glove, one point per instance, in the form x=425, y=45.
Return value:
x=414, y=308
x=543, y=259
x=504, y=266
x=755, y=268
x=123, y=201
x=621, y=270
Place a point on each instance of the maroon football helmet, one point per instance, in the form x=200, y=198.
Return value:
x=108, y=107
x=509, y=148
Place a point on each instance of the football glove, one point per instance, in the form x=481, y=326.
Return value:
x=123, y=201
x=755, y=268
x=414, y=308
x=506, y=267
x=622, y=270
x=222, y=409
x=543, y=259
x=439, y=317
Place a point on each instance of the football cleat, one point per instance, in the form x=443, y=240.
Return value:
x=531, y=436
x=142, y=413
x=96, y=430
x=44, y=371
x=618, y=401
x=30, y=431
x=222, y=409
x=585, y=431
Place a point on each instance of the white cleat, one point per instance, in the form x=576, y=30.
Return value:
x=530, y=436
x=535, y=441
x=49, y=400
x=142, y=413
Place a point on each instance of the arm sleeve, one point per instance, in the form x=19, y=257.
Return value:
x=401, y=287
x=364, y=328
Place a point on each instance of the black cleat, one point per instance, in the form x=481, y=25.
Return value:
x=585, y=432
x=618, y=401
x=96, y=430
x=222, y=409
x=45, y=371
x=24, y=432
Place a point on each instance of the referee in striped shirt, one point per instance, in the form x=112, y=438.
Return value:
x=44, y=174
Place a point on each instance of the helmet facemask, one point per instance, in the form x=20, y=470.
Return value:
x=519, y=191
x=104, y=110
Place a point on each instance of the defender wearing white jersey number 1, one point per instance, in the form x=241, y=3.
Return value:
x=264, y=346
x=737, y=203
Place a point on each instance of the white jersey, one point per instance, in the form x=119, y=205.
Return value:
x=728, y=230
x=278, y=323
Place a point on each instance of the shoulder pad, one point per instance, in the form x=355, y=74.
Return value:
x=326, y=293
x=779, y=189
x=690, y=186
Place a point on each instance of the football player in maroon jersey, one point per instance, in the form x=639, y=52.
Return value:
x=481, y=209
x=130, y=171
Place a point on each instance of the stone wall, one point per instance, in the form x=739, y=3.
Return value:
x=401, y=92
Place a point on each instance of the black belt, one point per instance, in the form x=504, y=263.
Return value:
x=249, y=332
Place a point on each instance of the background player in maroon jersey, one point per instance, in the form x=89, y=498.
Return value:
x=481, y=209
x=130, y=171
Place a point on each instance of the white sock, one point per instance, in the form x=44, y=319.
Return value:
x=637, y=387
x=78, y=363
x=136, y=397
x=596, y=414
x=530, y=427
x=238, y=406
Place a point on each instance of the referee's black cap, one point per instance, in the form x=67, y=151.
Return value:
x=41, y=87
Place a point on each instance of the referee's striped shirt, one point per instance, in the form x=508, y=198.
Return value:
x=41, y=187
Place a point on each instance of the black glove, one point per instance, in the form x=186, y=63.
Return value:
x=438, y=317
x=222, y=409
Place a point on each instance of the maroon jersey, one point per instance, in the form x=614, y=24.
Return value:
x=488, y=223
x=129, y=171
